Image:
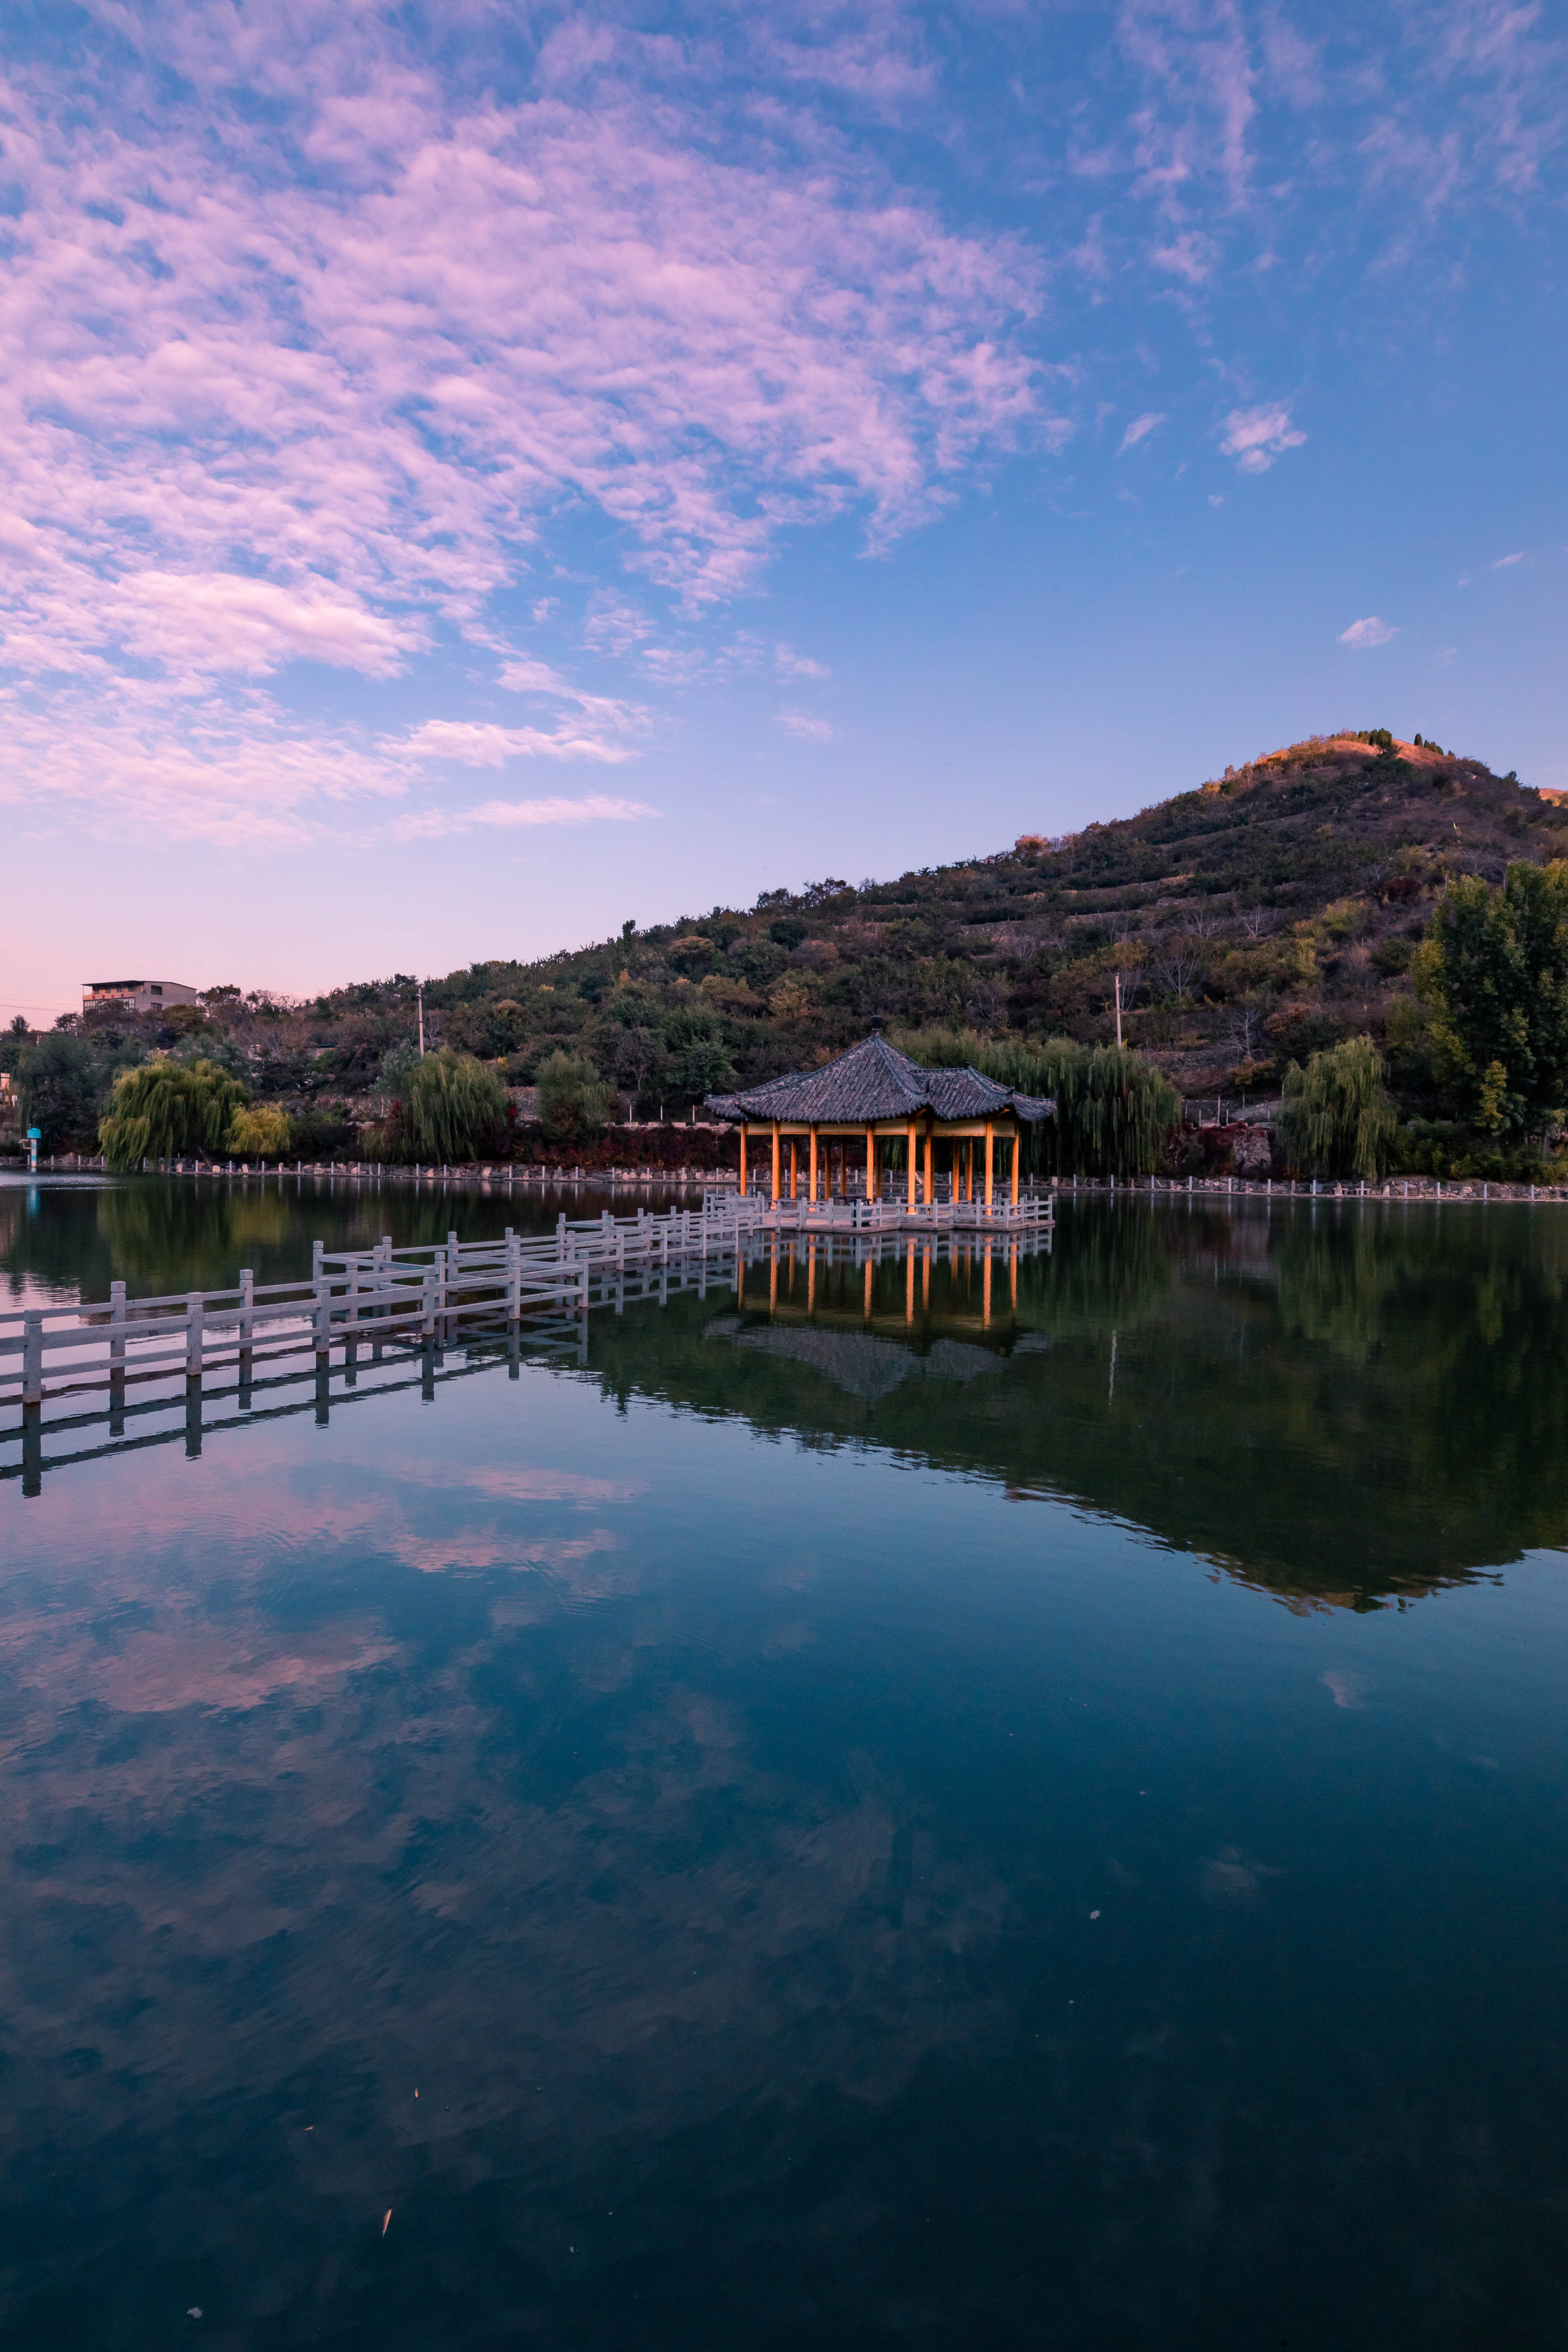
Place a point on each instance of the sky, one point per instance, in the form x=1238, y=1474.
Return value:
x=474, y=475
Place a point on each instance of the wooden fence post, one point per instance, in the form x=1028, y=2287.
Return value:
x=33, y=1357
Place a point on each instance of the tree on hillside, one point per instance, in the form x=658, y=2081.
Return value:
x=166, y=1109
x=699, y=1059
x=1493, y=972
x=574, y=1101
x=453, y=1109
x=1335, y=1118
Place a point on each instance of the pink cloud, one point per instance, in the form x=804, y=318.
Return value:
x=593, y=808
x=1255, y=437
x=1139, y=430
x=256, y=418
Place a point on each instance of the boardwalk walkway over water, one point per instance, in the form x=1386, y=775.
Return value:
x=369, y=1307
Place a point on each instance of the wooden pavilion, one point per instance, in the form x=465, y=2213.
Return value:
x=855, y=1107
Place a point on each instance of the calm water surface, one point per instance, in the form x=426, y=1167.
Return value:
x=815, y=1827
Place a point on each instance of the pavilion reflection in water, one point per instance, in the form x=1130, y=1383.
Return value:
x=874, y=1318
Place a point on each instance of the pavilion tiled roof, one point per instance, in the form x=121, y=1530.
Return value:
x=873, y=1080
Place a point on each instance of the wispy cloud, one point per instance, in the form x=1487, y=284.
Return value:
x=1255, y=437
x=1504, y=562
x=1370, y=631
x=476, y=743
x=803, y=727
x=594, y=808
x=789, y=664
x=1139, y=430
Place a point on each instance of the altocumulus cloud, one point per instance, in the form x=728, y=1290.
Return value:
x=261, y=416
x=1255, y=437
x=1370, y=631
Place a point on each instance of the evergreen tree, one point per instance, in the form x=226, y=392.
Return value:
x=1493, y=970
x=574, y=1101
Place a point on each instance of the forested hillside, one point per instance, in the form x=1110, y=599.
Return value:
x=1250, y=921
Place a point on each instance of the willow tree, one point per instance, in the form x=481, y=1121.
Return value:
x=261, y=1134
x=163, y=1110
x=1115, y=1109
x=453, y=1108
x=1335, y=1118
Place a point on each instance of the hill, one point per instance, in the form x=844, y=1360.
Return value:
x=1250, y=920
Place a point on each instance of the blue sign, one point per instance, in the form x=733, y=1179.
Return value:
x=35, y=1135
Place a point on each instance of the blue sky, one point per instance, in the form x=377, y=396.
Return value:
x=473, y=477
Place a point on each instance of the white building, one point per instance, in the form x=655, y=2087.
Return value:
x=137, y=995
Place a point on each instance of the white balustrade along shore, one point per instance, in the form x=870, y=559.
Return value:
x=1402, y=1189
x=513, y=1176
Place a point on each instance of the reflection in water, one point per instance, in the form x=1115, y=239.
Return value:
x=1344, y=1406
x=820, y=1889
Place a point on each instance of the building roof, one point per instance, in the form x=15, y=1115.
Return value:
x=873, y=1080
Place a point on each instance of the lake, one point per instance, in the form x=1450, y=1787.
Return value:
x=914, y=1815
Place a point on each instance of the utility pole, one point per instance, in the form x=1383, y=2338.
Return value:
x=420, y=994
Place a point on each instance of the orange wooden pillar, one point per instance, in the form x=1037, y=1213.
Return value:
x=870, y=1163
x=776, y=1158
x=929, y=1195
x=990, y=1160
x=1018, y=1139
x=910, y=1171
x=794, y=1168
x=742, y=1157
x=811, y=1172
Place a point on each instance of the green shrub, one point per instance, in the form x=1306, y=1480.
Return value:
x=1442, y=1148
x=1391, y=957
